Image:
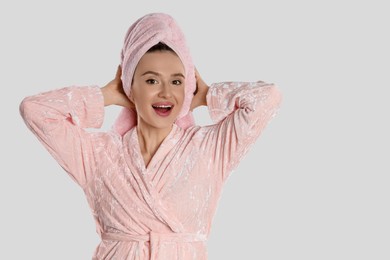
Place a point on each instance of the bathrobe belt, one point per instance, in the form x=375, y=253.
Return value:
x=154, y=237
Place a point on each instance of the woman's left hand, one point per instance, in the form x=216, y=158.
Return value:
x=200, y=94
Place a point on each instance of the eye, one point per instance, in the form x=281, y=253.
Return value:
x=176, y=82
x=151, y=81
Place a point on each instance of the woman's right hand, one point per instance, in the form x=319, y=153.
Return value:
x=114, y=94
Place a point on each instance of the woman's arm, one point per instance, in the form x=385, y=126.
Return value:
x=241, y=110
x=59, y=119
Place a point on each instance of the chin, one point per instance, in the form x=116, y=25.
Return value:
x=163, y=124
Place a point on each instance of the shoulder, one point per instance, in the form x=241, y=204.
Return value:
x=199, y=134
x=107, y=139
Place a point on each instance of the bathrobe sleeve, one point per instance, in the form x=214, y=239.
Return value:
x=58, y=118
x=241, y=110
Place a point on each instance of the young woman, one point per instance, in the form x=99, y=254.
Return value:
x=154, y=180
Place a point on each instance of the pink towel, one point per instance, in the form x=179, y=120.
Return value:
x=140, y=37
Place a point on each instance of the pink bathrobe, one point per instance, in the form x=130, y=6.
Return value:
x=163, y=211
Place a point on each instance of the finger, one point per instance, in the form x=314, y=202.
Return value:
x=118, y=72
x=196, y=73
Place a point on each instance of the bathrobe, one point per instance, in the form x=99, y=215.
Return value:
x=163, y=210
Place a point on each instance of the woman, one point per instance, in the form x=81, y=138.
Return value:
x=154, y=180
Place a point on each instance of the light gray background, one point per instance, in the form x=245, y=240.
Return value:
x=315, y=185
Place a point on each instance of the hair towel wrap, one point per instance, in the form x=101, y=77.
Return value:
x=146, y=32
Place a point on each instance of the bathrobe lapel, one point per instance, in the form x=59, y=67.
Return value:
x=148, y=178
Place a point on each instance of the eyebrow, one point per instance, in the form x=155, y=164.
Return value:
x=158, y=74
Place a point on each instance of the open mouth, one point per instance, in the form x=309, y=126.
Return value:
x=163, y=109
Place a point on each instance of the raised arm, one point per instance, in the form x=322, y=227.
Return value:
x=241, y=110
x=59, y=119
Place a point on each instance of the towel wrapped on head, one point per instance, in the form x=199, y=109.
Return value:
x=146, y=32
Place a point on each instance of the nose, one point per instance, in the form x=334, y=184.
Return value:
x=165, y=91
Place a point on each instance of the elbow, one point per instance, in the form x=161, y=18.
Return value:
x=275, y=95
x=26, y=109
x=269, y=101
x=23, y=107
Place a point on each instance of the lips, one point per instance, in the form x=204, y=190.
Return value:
x=163, y=108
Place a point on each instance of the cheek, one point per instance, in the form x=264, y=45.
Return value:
x=139, y=94
x=180, y=95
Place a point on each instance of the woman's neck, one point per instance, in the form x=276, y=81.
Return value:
x=149, y=140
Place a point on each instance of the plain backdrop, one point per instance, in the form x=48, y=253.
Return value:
x=314, y=186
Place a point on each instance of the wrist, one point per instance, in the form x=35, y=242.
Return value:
x=106, y=95
x=203, y=93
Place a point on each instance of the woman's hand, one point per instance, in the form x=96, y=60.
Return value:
x=200, y=93
x=113, y=92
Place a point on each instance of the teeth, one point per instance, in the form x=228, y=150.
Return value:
x=163, y=106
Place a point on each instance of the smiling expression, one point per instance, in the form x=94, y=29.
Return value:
x=157, y=90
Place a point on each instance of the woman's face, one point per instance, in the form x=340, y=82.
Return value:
x=158, y=89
